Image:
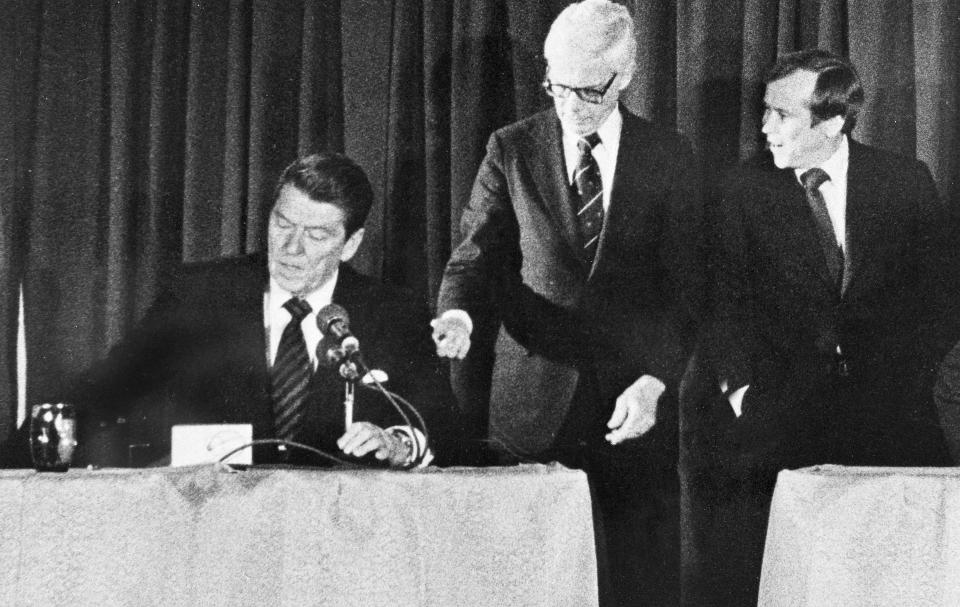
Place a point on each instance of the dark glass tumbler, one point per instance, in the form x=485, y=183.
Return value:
x=53, y=436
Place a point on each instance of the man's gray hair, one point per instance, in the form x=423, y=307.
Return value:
x=594, y=29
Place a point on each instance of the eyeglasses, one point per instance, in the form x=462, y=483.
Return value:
x=588, y=94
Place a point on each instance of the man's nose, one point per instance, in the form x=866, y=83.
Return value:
x=767, y=123
x=569, y=102
x=294, y=242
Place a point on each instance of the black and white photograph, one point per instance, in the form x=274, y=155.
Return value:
x=466, y=303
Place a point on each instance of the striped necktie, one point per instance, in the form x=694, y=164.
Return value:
x=812, y=180
x=291, y=373
x=590, y=188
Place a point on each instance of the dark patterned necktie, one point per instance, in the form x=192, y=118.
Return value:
x=590, y=188
x=812, y=180
x=291, y=373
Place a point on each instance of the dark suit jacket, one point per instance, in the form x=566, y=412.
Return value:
x=627, y=314
x=200, y=356
x=779, y=319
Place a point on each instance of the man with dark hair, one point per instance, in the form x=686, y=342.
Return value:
x=581, y=236
x=236, y=340
x=830, y=260
x=837, y=91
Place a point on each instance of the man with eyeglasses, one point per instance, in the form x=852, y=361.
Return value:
x=581, y=238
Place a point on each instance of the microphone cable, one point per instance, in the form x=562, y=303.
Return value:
x=289, y=443
x=419, y=452
x=333, y=320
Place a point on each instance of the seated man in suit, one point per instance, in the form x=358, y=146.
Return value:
x=830, y=260
x=235, y=340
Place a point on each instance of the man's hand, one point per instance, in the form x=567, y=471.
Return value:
x=363, y=437
x=636, y=410
x=451, y=333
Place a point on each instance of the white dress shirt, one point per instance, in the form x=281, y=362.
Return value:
x=835, y=189
x=276, y=317
x=605, y=153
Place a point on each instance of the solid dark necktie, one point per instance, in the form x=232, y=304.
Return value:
x=590, y=189
x=291, y=373
x=812, y=180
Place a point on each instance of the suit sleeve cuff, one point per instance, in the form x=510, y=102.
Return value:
x=736, y=399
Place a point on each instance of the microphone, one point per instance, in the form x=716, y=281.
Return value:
x=338, y=346
x=338, y=343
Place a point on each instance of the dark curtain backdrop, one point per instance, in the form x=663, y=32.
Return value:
x=139, y=133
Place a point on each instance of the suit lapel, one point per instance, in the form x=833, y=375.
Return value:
x=543, y=152
x=349, y=294
x=634, y=174
x=248, y=306
x=790, y=208
x=862, y=213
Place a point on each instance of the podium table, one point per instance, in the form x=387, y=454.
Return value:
x=863, y=536
x=202, y=536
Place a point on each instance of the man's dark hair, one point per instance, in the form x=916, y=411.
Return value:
x=838, y=91
x=332, y=178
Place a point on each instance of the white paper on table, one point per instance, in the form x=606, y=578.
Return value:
x=206, y=443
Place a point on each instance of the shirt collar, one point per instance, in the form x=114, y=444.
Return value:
x=609, y=130
x=318, y=298
x=836, y=166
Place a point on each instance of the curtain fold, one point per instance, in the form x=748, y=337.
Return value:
x=141, y=133
x=19, y=56
x=936, y=30
x=404, y=200
x=160, y=129
x=762, y=26
x=437, y=74
x=321, y=79
x=275, y=70
x=889, y=113
x=66, y=267
x=653, y=91
x=160, y=191
x=214, y=61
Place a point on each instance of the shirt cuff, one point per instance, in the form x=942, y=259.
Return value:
x=736, y=399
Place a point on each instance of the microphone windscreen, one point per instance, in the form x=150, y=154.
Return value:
x=329, y=314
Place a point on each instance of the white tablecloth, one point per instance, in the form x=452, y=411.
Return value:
x=864, y=536
x=197, y=536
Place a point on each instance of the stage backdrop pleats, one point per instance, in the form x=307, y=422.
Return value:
x=140, y=133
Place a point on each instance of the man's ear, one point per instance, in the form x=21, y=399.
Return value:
x=832, y=127
x=350, y=247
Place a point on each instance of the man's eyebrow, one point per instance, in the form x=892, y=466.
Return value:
x=323, y=227
x=588, y=87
